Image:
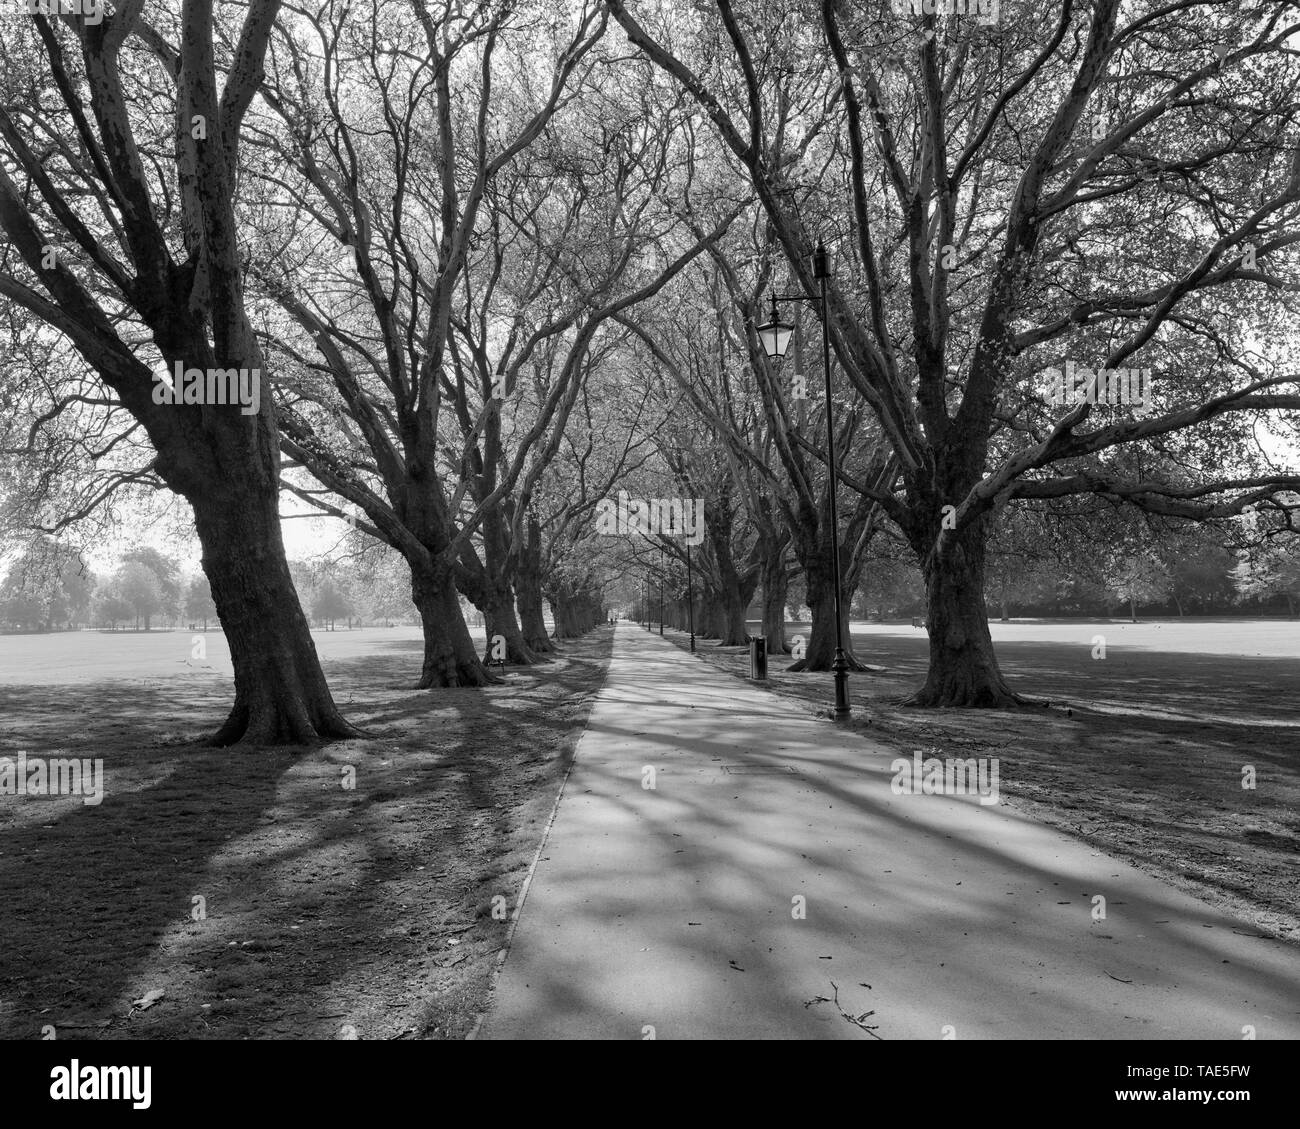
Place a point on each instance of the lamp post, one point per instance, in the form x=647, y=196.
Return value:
x=663, y=576
x=775, y=336
x=690, y=596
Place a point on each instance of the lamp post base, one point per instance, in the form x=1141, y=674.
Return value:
x=840, y=666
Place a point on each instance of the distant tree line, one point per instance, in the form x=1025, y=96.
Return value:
x=50, y=587
x=1108, y=571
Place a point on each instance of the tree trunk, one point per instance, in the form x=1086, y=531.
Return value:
x=774, y=592
x=820, y=650
x=498, y=594
x=280, y=693
x=735, y=589
x=1132, y=609
x=563, y=613
x=528, y=591
x=735, y=631
x=963, y=667
x=532, y=621
x=450, y=658
x=499, y=621
x=712, y=616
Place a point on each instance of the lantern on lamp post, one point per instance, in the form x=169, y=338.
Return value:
x=775, y=338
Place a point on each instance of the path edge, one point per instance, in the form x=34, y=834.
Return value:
x=504, y=951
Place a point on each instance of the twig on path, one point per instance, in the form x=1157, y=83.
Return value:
x=859, y=1021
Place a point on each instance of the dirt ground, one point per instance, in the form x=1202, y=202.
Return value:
x=1140, y=754
x=261, y=896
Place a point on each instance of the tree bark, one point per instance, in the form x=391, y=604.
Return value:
x=770, y=553
x=712, y=616
x=496, y=598
x=735, y=631
x=963, y=666
x=576, y=611
x=280, y=693
x=450, y=658
x=563, y=612
x=528, y=591
x=735, y=588
x=820, y=650
x=499, y=621
x=775, y=582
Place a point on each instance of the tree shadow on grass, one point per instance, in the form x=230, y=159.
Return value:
x=87, y=890
x=321, y=899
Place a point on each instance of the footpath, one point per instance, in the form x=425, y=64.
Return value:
x=720, y=858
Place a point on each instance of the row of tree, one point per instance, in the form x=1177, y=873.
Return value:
x=1212, y=582
x=49, y=587
x=493, y=264
x=996, y=201
x=1176, y=575
x=408, y=244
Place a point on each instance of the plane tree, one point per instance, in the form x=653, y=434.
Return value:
x=118, y=184
x=1270, y=569
x=1088, y=186
x=772, y=429
x=471, y=246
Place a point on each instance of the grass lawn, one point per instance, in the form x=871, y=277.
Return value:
x=1140, y=753
x=327, y=912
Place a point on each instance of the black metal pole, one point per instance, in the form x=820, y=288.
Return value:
x=840, y=664
x=690, y=596
x=663, y=575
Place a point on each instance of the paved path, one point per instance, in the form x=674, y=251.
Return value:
x=673, y=907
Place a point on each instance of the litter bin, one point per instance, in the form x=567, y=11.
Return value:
x=758, y=658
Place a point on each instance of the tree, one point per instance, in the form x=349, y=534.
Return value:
x=110, y=608
x=891, y=583
x=48, y=585
x=198, y=601
x=330, y=603
x=137, y=585
x=1272, y=569
x=164, y=570
x=1138, y=579
x=766, y=439
x=1200, y=569
x=123, y=229
x=22, y=610
x=997, y=201
x=476, y=277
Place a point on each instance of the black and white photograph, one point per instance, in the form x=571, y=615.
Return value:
x=526, y=521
